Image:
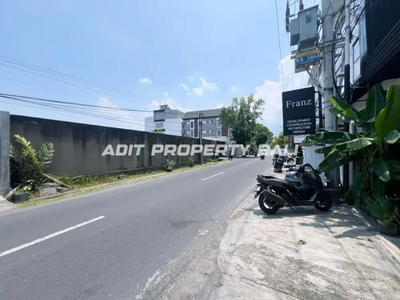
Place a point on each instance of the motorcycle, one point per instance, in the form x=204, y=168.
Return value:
x=305, y=189
x=277, y=163
x=289, y=162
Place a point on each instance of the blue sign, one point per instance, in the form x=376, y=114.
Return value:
x=310, y=59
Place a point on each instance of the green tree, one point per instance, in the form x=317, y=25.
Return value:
x=241, y=117
x=158, y=131
x=262, y=135
x=280, y=140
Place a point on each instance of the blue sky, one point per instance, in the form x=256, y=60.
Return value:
x=196, y=54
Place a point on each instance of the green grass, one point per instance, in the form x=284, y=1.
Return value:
x=85, y=185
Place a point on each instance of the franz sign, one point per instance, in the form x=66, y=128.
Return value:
x=298, y=107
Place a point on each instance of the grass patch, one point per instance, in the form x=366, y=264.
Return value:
x=83, y=185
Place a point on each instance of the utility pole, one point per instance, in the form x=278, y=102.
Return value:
x=328, y=74
x=201, y=136
x=347, y=81
x=327, y=40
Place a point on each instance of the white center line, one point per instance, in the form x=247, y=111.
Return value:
x=212, y=176
x=49, y=237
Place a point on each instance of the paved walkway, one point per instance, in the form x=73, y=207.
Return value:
x=306, y=254
x=4, y=204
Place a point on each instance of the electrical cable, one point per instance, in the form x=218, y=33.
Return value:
x=279, y=42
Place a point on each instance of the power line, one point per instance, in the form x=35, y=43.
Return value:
x=279, y=42
x=75, y=78
x=66, y=82
x=117, y=118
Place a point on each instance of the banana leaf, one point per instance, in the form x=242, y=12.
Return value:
x=355, y=144
x=389, y=117
x=392, y=137
x=347, y=110
x=381, y=169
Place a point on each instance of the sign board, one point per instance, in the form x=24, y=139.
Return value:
x=298, y=139
x=306, y=59
x=298, y=109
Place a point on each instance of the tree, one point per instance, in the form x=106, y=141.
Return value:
x=279, y=140
x=241, y=118
x=30, y=164
x=262, y=135
x=157, y=130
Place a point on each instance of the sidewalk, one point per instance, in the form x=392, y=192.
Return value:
x=306, y=254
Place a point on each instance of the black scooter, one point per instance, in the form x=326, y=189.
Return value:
x=275, y=193
x=277, y=163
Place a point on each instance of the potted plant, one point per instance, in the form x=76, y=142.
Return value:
x=20, y=195
x=169, y=164
x=383, y=210
x=191, y=162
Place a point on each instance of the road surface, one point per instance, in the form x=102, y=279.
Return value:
x=120, y=243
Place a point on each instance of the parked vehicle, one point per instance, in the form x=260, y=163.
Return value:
x=274, y=193
x=289, y=162
x=277, y=163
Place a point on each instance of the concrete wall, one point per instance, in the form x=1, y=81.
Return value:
x=79, y=147
x=4, y=155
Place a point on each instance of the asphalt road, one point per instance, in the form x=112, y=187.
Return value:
x=116, y=243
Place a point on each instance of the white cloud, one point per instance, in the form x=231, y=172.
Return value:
x=146, y=80
x=118, y=117
x=271, y=92
x=208, y=85
x=190, y=78
x=198, y=91
x=233, y=88
x=205, y=86
x=220, y=105
x=165, y=94
x=186, y=88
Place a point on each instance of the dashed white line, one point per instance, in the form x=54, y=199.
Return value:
x=212, y=176
x=245, y=164
x=49, y=236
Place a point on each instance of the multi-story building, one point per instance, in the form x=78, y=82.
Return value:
x=211, y=124
x=166, y=120
x=175, y=122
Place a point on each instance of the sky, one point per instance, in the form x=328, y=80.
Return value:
x=191, y=55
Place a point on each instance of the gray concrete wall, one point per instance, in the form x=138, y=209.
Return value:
x=79, y=147
x=4, y=152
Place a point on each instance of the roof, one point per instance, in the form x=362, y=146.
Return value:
x=209, y=113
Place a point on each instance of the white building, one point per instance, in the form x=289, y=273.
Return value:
x=165, y=120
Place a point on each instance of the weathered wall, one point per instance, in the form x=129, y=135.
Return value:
x=78, y=147
x=4, y=156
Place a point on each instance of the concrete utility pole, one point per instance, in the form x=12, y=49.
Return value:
x=201, y=136
x=347, y=81
x=327, y=40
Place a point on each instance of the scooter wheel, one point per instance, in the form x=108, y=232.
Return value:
x=264, y=208
x=325, y=204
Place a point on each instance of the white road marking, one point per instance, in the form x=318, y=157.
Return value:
x=212, y=176
x=49, y=237
x=245, y=164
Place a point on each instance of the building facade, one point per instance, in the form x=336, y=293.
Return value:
x=166, y=120
x=207, y=121
x=175, y=122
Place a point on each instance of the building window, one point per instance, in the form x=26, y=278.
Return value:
x=219, y=123
x=219, y=133
x=191, y=134
x=159, y=125
x=191, y=124
x=356, y=60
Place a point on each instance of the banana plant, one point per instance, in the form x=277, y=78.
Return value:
x=380, y=123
